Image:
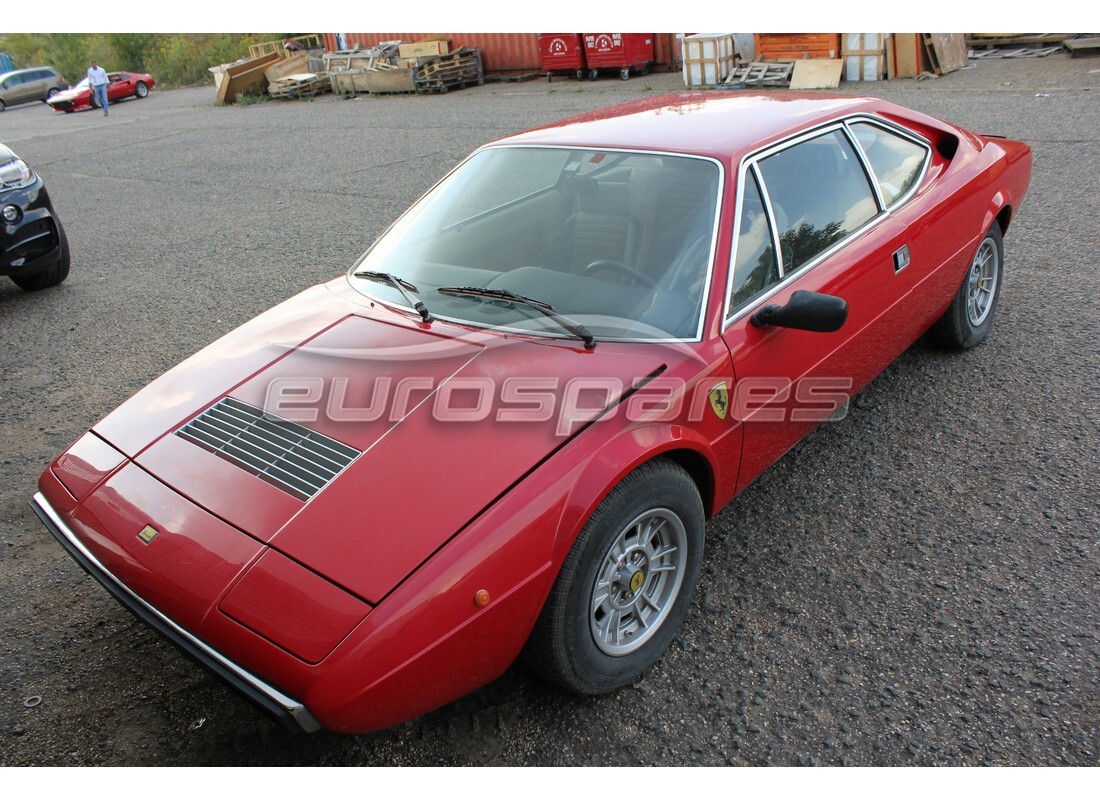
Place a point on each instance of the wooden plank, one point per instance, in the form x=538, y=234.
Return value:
x=930, y=54
x=909, y=59
x=817, y=73
x=947, y=51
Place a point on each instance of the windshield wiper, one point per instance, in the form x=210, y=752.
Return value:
x=574, y=327
x=402, y=286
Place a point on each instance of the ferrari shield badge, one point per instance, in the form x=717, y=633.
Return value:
x=720, y=400
x=148, y=534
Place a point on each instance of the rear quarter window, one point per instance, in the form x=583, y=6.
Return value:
x=897, y=161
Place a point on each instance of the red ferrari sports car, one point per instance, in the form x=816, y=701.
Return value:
x=503, y=430
x=121, y=86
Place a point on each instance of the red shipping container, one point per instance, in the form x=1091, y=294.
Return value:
x=561, y=52
x=621, y=51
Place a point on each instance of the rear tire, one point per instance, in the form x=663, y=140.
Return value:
x=626, y=584
x=52, y=276
x=967, y=321
x=141, y=90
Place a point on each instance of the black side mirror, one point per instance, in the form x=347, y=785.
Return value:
x=805, y=311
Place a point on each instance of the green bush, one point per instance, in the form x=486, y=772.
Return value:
x=174, y=59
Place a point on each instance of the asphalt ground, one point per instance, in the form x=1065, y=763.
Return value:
x=916, y=584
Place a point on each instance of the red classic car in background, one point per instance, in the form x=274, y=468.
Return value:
x=121, y=86
x=503, y=430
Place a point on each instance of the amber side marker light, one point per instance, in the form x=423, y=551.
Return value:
x=481, y=599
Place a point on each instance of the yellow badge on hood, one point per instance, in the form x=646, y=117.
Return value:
x=720, y=400
x=148, y=534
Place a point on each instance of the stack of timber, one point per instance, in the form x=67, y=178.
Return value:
x=455, y=70
x=303, y=85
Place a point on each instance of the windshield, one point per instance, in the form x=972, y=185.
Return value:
x=82, y=85
x=620, y=242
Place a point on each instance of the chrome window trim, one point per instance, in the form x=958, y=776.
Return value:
x=777, y=245
x=920, y=141
x=750, y=160
x=704, y=301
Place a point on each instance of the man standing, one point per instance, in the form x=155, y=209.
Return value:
x=97, y=77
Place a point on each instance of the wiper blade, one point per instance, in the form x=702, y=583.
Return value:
x=574, y=327
x=402, y=286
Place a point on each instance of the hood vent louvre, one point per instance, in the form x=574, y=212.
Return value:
x=299, y=461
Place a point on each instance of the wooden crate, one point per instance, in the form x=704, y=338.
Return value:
x=864, y=56
x=793, y=46
x=708, y=58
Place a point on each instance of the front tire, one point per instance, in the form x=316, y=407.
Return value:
x=141, y=90
x=52, y=276
x=967, y=321
x=626, y=584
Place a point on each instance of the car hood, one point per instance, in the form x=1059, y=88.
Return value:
x=420, y=428
x=65, y=96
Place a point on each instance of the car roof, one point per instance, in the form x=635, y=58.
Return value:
x=722, y=125
x=25, y=69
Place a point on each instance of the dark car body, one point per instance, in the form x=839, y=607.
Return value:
x=34, y=250
x=502, y=431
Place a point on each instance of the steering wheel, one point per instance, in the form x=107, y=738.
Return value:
x=617, y=266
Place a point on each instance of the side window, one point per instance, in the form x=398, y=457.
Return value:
x=819, y=193
x=896, y=161
x=754, y=265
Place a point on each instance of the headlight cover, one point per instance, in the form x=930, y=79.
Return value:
x=15, y=175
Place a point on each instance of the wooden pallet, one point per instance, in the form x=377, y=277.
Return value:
x=305, y=85
x=1017, y=40
x=456, y=70
x=759, y=73
x=1084, y=45
x=1018, y=52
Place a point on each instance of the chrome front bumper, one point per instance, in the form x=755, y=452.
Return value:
x=289, y=711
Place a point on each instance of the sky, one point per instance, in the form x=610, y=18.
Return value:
x=442, y=15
